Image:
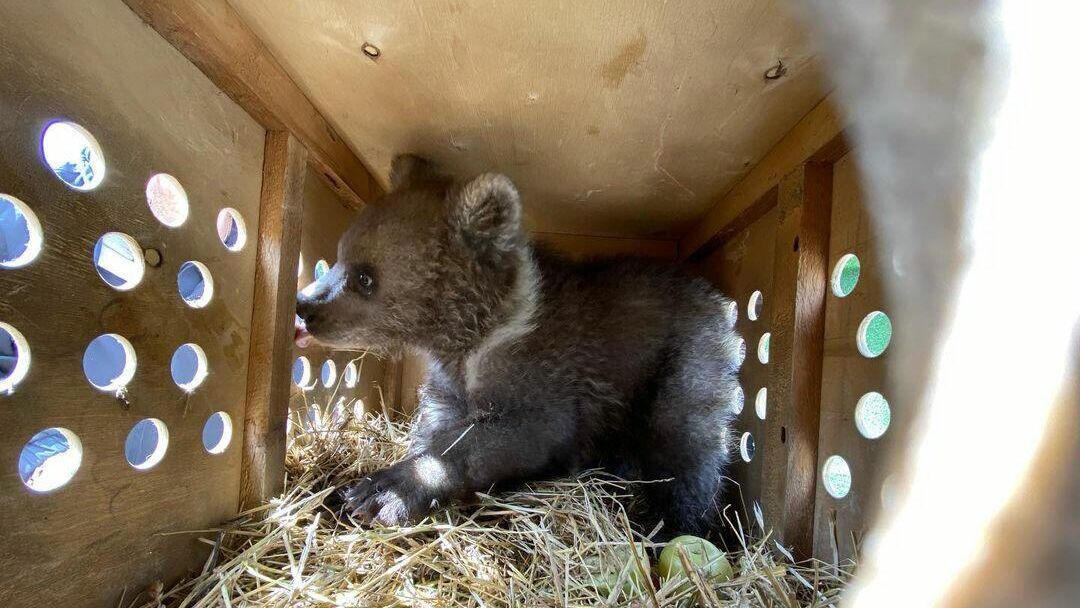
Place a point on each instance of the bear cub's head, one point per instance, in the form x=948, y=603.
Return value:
x=435, y=265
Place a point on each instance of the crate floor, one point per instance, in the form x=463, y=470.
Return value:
x=554, y=543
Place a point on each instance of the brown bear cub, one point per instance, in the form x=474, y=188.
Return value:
x=538, y=366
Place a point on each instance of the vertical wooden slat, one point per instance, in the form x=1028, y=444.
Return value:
x=800, y=277
x=390, y=388
x=274, y=304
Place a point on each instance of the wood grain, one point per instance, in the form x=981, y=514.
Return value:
x=800, y=278
x=112, y=529
x=620, y=119
x=213, y=37
x=840, y=524
x=817, y=137
x=270, y=357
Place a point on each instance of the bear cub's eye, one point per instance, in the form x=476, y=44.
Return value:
x=363, y=280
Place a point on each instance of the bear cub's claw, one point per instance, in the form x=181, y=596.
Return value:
x=385, y=497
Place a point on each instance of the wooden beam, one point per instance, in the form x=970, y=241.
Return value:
x=818, y=137
x=274, y=305
x=584, y=246
x=800, y=279
x=215, y=38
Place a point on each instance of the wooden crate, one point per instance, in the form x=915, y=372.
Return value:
x=230, y=101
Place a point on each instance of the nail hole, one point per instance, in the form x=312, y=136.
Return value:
x=152, y=257
x=777, y=71
x=371, y=50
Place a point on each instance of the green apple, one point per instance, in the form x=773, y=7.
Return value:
x=620, y=563
x=705, y=557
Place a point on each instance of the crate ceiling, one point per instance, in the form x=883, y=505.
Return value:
x=613, y=118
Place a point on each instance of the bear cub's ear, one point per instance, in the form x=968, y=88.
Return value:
x=408, y=170
x=486, y=212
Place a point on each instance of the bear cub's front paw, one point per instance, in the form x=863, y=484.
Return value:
x=389, y=497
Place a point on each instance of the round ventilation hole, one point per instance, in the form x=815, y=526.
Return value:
x=845, y=275
x=755, y=305
x=761, y=402
x=109, y=362
x=195, y=284
x=119, y=261
x=313, y=419
x=301, y=372
x=763, y=347
x=731, y=310
x=167, y=200
x=874, y=334
x=50, y=459
x=20, y=233
x=146, y=443
x=217, y=433
x=328, y=373
x=746, y=447
x=73, y=155
x=337, y=415
x=738, y=400
x=14, y=357
x=740, y=353
x=836, y=475
x=350, y=376
x=231, y=229
x=188, y=366
x=872, y=415
x=321, y=268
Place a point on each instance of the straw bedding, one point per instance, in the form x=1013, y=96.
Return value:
x=547, y=544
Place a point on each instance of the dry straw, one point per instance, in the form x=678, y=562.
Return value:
x=547, y=544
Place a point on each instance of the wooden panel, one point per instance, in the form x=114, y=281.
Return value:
x=413, y=374
x=614, y=118
x=326, y=217
x=582, y=246
x=818, y=137
x=103, y=533
x=744, y=265
x=213, y=37
x=790, y=442
x=270, y=358
x=847, y=375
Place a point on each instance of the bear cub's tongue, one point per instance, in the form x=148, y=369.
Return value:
x=302, y=337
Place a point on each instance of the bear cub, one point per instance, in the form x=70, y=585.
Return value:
x=538, y=366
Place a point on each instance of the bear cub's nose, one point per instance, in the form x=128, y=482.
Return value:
x=305, y=307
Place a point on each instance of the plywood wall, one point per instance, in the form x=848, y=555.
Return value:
x=112, y=530
x=622, y=118
x=841, y=524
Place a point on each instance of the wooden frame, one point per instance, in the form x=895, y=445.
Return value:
x=213, y=36
x=800, y=276
x=270, y=357
x=818, y=137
